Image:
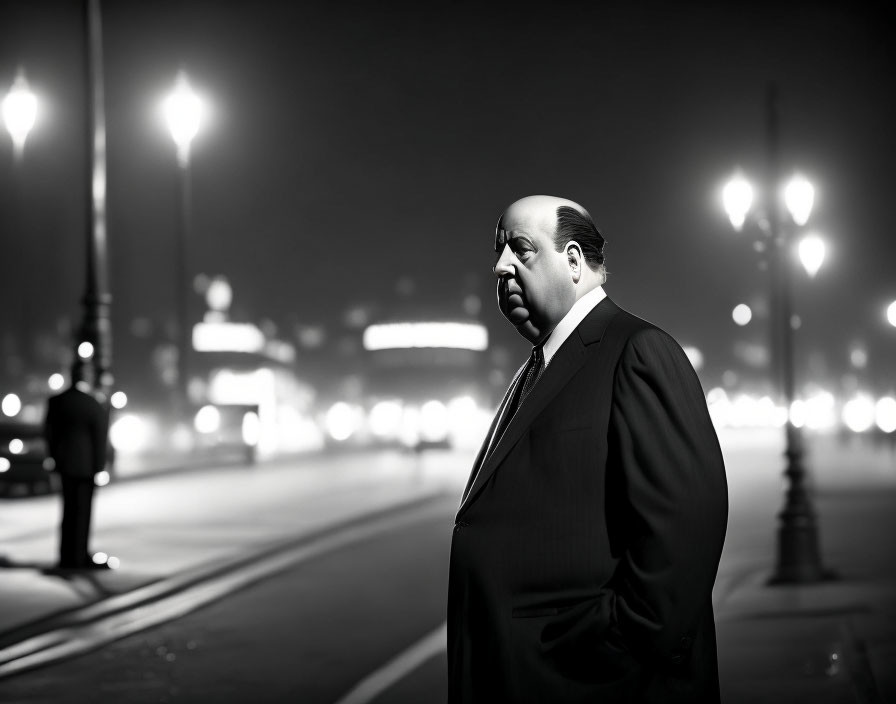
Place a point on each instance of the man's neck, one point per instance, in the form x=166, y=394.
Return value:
x=583, y=305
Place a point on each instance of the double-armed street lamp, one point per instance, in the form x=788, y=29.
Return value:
x=183, y=112
x=798, y=554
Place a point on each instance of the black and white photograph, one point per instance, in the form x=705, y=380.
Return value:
x=447, y=352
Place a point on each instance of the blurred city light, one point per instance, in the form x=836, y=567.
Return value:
x=19, y=112
x=891, y=314
x=182, y=438
x=342, y=421
x=11, y=405
x=183, y=112
x=5, y=464
x=56, y=382
x=219, y=294
x=798, y=413
x=85, y=350
x=811, y=250
x=885, y=414
x=385, y=419
x=129, y=434
x=251, y=428
x=468, y=336
x=737, y=197
x=257, y=387
x=858, y=413
x=227, y=337
x=113, y=562
x=742, y=314
x=16, y=446
x=100, y=558
x=815, y=412
x=119, y=400
x=858, y=357
x=695, y=356
x=207, y=420
x=434, y=421
x=799, y=196
x=101, y=478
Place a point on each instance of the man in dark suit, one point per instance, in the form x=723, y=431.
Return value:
x=589, y=534
x=76, y=430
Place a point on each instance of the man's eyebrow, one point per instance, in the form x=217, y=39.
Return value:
x=509, y=236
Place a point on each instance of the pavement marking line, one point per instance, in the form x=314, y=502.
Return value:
x=78, y=639
x=397, y=668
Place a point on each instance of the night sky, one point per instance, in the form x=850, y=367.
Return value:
x=353, y=146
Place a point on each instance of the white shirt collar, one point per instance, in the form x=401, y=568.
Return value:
x=570, y=321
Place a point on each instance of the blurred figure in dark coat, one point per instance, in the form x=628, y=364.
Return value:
x=76, y=430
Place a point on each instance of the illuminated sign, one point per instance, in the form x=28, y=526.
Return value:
x=464, y=336
x=227, y=337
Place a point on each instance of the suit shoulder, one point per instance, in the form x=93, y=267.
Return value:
x=629, y=326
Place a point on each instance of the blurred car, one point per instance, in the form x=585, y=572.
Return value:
x=25, y=467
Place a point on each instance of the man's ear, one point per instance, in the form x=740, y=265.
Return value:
x=574, y=260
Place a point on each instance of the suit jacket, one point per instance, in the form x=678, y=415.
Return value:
x=76, y=429
x=586, y=545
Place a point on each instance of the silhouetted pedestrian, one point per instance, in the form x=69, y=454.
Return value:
x=76, y=429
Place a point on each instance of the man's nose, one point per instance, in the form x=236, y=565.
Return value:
x=505, y=265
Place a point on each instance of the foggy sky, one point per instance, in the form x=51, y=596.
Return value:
x=352, y=145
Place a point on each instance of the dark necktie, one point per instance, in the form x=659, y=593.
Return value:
x=527, y=381
x=530, y=376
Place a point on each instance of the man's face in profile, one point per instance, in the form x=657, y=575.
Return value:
x=534, y=286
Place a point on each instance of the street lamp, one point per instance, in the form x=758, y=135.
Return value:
x=798, y=558
x=811, y=250
x=891, y=314
x=19, y=112
x=183, y=112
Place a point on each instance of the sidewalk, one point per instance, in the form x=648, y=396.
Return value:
x=829, y=642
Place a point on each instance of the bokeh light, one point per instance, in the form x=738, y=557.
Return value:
x=742, y=314
x=885, y=414
x=11, y=405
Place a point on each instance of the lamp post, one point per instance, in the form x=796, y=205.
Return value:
x=94, y=338
x=798, y=555
x=94, y=343
x=183, y=113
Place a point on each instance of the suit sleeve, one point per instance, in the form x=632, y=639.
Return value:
x=669, y=500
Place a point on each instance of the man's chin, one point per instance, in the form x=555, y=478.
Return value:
x=529, y=331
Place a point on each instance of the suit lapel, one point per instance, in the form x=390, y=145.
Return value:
x=565, y=363
x=490, y=438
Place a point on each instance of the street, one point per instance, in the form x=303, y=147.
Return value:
x=306, y=635
x=323, y=579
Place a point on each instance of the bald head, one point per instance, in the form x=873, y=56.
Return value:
x=564, y=219
x=550, y=254
x=538, y=211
